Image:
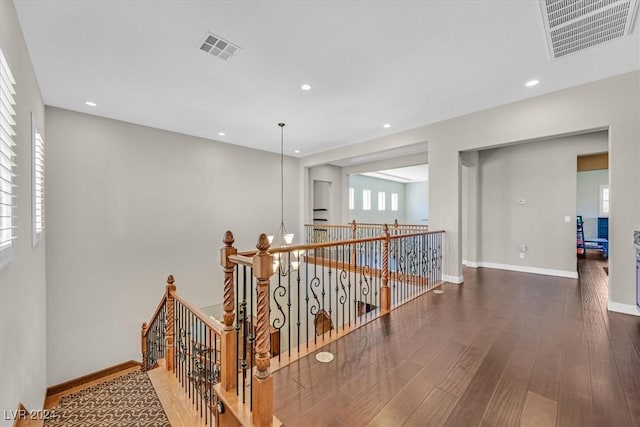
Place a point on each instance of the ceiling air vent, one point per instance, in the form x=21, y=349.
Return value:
x=573, y=25
x=217, y=46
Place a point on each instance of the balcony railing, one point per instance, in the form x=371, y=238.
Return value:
x=283, y=303
x=316, y=233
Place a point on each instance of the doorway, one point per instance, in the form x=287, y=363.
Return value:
x=592, y=220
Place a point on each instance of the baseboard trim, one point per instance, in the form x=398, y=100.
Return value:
x=623, y=308
x=534, y=270
x=94, y=376
x=452, y=279
x=472, y=264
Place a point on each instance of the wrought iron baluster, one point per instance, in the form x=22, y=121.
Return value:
x=279, y=318
x=239, y=313
x=252, y=336
x=351, y=272
x=245, y=331
x=330, y=272
x=298, y=299
x=288, y=305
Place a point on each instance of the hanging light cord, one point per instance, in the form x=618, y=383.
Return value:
x=282, y=175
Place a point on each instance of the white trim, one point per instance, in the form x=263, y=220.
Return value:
x=534, y=270
x=623, y=308
x=452, y=279
x=471, y=264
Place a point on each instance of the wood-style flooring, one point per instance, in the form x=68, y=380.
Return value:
x=504, y=349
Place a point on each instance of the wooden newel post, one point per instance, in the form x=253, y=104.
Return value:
x=143, y=346
x=228, y=338
x=385, y=291
x=169, y=352
x=263, y=382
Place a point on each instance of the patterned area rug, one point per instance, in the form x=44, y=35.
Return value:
x=129, y=400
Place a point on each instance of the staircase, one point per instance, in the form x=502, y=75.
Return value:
x=176, y=403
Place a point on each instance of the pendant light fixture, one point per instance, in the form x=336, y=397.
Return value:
x=281, y=238
x=281, y=262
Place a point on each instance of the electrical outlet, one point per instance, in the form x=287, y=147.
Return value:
x=567, y=218
x=521, y=255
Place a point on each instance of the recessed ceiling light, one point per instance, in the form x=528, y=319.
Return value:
x=221, y=134
x=296, y=151
x=531, y=83
x=91, y=104
x=387, y=125
x=305, y=87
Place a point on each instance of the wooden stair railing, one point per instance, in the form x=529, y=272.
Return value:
x=318, y=233
x=396, y=264
x=260, y=411
x=153, y=334
x=379, y=268
x=186, y=342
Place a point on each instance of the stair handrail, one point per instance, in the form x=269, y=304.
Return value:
x=214, y=324
x=242, y=256
x=181, y=334
x=158, y=323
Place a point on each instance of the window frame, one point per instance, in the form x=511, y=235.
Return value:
x=601, y=201
x=366, y=200
x=382, y=200
x=394, y=202
x=352, y=198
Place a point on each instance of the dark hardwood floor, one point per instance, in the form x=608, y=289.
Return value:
x=504, y=349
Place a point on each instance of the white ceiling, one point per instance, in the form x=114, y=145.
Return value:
x=417, y=173
x=370, y=63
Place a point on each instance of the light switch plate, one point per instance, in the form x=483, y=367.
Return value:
x=567, y=218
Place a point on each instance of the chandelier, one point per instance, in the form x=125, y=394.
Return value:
x=282, y=238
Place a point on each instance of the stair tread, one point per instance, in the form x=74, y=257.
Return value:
x=177, y=405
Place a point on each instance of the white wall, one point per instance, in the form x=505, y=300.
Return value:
x=470, y=183
x=127, y=205
x=589, y=183
x=416, y=206
x=513, y=173
x=374, y=216
x=23, y=369
x=611, y=103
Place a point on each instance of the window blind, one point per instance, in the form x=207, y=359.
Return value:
x=38, y=185
x=7, y=157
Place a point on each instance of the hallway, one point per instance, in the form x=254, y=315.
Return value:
x=503, y=349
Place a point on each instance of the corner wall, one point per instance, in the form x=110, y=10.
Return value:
x=23, y=340
x=127, y=206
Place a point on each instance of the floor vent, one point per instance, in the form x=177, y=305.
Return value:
x=574, y=25
x=217, y=46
